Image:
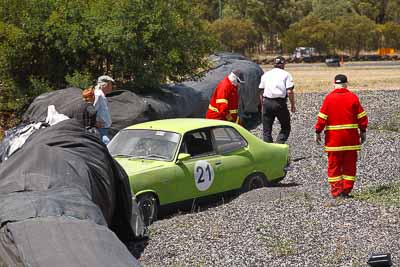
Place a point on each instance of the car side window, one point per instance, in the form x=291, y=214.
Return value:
x=197, y=143
x=227, y=139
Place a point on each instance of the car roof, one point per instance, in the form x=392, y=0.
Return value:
x=180, y=125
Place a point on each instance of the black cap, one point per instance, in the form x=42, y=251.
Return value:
x=239, y=75
x=340, y=78
x=279, y=61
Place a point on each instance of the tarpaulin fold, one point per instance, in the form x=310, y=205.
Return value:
x=63, y=242
x=62, y=175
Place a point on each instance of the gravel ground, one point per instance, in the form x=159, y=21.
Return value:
x=297, y=223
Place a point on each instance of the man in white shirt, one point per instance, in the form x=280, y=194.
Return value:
x=103, y=117
x=275, y=87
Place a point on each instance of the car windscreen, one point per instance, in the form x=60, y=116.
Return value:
x=147, y=144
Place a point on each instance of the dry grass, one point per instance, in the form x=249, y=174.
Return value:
x=369, y=76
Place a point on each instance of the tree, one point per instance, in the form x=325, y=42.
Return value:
x=140, y=42
x=330, y=10
x=381, y=11
x=366, y=8
x=313, y=32
x=380, y=7
x=393, y=12
x=208, y=9
x=355, y=33
x=270, y=18
x=389, y=35
x=23, y=50
x=235, y=35
x=148, y=40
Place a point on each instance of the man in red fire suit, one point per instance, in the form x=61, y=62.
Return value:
x=345, y=123
x=224, y=102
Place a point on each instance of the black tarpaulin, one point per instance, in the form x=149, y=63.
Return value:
x=63, y=242
x=67, y=101
x=63, y=172
x=183, y=100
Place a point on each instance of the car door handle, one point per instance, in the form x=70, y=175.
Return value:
x=218, y=162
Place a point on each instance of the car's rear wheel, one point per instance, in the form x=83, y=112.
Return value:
x=148, y=205
x=252, y=182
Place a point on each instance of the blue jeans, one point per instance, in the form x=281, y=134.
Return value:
x=104, y=135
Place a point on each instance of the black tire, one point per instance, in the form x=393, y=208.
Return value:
x=252, y=182
x=148, y=205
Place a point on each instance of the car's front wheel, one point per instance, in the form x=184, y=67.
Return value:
x=252, y=182
x=148, y=204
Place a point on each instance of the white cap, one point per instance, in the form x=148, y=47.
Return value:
x=105, y=79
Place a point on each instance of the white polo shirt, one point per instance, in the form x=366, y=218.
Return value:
x=275, y=83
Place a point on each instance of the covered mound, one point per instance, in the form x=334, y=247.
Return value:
x=184, y=100
x=60, y=194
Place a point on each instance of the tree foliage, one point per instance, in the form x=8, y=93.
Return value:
x=235, y=35
x=355, y=33
x=313, y=32
x=140, y=42
x=270, y=18
x=47, y=44
x=343, y=29
x=330, y=10
x=390, y=35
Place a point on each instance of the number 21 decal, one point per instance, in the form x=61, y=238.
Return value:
x=203, y=175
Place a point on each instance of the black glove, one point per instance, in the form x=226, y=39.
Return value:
x=317, y=138
x=363, y=137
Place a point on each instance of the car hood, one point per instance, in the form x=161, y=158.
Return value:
x=135, y=166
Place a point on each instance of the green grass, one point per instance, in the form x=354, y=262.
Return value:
x=278, y=245
x=388, y=194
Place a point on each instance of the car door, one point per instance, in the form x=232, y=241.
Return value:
x=196, y=176
x=235, y=161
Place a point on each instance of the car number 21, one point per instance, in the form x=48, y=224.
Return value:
x=203, y=175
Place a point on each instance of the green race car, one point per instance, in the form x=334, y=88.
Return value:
x=175, y=160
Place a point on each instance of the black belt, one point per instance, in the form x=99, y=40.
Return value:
x=276, y=99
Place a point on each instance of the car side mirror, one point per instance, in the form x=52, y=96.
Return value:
x=182, y=157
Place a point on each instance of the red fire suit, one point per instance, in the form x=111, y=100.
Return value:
x=341, y=115
x=224, y=102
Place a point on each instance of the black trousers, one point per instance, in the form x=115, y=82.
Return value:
x=275, y=108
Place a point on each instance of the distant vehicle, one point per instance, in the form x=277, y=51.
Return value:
x=332, y=61
x=304, y=53
x=177, y=160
